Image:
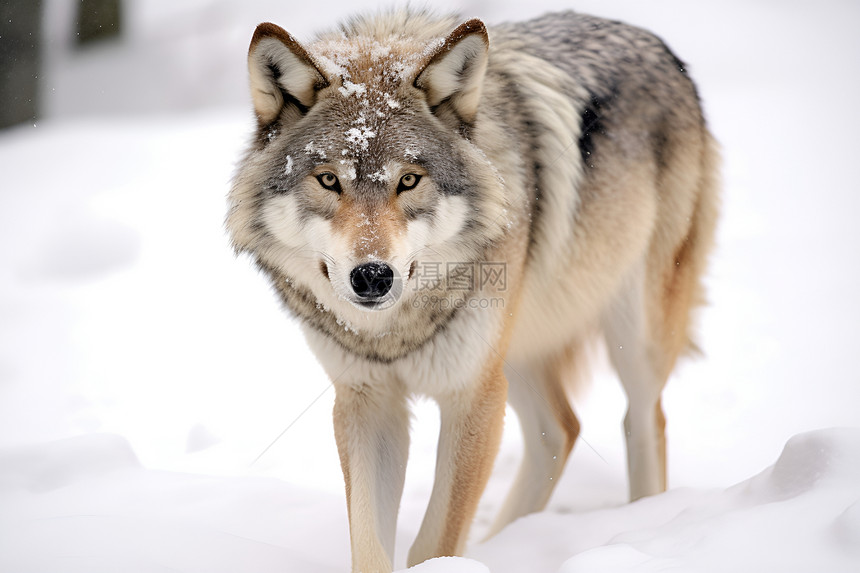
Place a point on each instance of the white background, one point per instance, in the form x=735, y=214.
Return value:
x=143, y=368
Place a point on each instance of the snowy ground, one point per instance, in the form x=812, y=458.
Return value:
x=143, y=369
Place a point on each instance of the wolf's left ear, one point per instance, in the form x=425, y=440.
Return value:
x=454, y=74
x=282, y=73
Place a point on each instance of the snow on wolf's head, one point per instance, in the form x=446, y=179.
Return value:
x=362, y=167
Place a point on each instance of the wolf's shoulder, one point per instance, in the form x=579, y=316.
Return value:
x=575, y=29
x=592, y=49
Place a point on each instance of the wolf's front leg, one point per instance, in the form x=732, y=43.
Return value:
x=471, y=429
x=371, y=425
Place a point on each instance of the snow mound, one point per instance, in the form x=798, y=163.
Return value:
x=57, y=464
x=199, y=439
x=85, y=505
x=81, y=245
x=809, y=461
x=801, y=514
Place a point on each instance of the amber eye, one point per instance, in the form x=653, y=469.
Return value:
x=329, y=181
x=408, y=181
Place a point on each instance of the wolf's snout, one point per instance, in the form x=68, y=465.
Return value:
x=371, y=280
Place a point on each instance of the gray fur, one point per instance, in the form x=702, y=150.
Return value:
x=573, y=151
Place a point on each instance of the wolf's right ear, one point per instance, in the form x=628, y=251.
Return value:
x=454, y=72
x=281, y=73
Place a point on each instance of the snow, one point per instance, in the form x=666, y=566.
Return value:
x=381, y=176
x=349, y=88
x=159, y=412
x=312, y=149
x=359, y=137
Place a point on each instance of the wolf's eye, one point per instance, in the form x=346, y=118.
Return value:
x=329, y=181
x=408, y=181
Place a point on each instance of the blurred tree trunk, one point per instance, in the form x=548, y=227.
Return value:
x=20, y=38
x=98, y=20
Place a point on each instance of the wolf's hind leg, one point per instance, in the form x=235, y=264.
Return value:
x=636, y=355
x=549, y=428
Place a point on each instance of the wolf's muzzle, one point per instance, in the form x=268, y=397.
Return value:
x=371, y=280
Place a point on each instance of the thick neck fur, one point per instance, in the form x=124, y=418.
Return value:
x=414, y=321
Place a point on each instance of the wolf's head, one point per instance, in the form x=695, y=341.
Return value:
x=363, y=167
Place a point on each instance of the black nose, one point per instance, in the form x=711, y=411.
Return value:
x=371, y=280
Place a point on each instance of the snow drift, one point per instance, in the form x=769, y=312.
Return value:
x=85, y=504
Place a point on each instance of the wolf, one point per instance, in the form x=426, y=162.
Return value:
x=397, y=161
